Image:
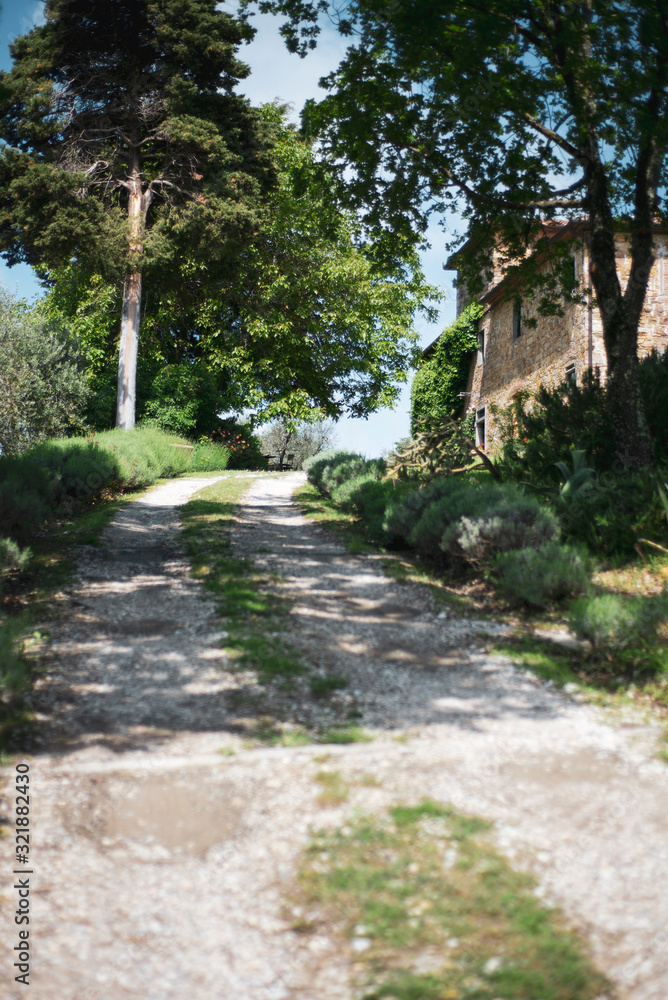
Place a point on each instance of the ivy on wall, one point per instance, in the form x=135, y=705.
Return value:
x=444, y=375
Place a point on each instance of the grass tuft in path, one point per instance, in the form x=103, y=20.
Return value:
x=429, y=910
x=253, y=618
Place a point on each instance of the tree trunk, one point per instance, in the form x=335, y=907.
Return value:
x=625, y=404
x=620, y=316
x=126, y=399
x=138, y=205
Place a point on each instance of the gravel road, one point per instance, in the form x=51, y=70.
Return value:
x=160, y=864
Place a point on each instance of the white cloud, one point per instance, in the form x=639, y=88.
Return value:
x=34, y=18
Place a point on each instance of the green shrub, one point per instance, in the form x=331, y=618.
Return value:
x=404, y=511
x=336, y=474
x=460, y=498
x=368, y=497
x=612, y=514
x=518, y=523
x=183, y=399
x=12, y=558
x=244, y=447
x=44, y=388
x=540, y=576
x=653, y=375
x=612, y=622
x=13, y=670
x=538, y=432
x=34, y=484
x=316, y=467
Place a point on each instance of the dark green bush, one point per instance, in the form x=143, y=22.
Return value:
x=612, y=622
x=515, y=523
x=244, y=447
x=183, y=399
x=459, y=497
x=335, y=475
x=538, y=432
x=611, y=515
x=560, y=419
x=368, y=497
x=316, y=467
x=653, y=373
x=12, y=559
x=70, y=470
x=404, y=512
x=540, y=576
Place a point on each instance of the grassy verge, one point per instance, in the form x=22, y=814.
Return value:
x=612, y=683
x=255, y=620
x=27, y=604
x=427, y=909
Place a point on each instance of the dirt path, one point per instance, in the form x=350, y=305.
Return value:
x=160, y=864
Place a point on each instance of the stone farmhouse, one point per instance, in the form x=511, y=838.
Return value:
x=514, y=356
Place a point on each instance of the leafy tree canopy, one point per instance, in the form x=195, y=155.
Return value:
x=126, y=149
x=42, y=384
x=314, y=324
x=100, y=86
x=508, y=112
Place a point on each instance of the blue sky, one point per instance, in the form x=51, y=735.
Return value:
x=275, y=73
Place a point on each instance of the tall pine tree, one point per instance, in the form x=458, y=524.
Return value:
x=127, y=150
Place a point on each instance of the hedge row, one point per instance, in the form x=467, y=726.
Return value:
x=61, y=472
x=460, y=522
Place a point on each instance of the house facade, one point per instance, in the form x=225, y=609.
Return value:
x=514, y=356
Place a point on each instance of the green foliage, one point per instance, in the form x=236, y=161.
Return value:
x=183, y=399
x=306, y=322
x=653, y=374
x=540, y=432
x=341, y=473
x=579, y=476
x=14, y=674
x=610, y=516
x=61, y=473
x=516, y=522
x=440, y=379
x=612, y=622
x=320, y=465
x=456, y=497
x=302, y=440
x=244, y=448
x=161, y=78
x=13, y=560
x=570, y=416
x=42, y=386
x=539, y=576
x=367, y=496
x=316, y=321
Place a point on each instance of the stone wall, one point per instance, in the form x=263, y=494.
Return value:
x=542, y=354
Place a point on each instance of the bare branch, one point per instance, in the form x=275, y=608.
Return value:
x=553, y=136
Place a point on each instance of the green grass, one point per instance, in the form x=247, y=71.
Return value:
x=615, y=682
x=249, y=610
x=323, y=686
x=429, y=910
x=335, y=789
